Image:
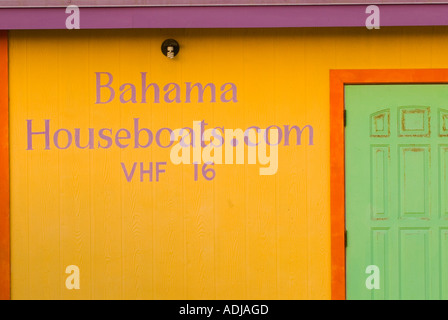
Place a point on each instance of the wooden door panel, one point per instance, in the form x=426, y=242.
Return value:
x=396, y=171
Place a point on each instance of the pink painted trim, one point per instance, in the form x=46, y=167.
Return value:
x=224, y=17
x=171, y=3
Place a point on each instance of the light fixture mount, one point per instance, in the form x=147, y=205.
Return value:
x=170, y=48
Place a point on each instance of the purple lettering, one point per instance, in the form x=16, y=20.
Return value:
x=232, y=90
x=201, y=90
x=145, y=89
x=106, y=86
x=159, y=171
x=217, y=136
x=106, y=138
x=137, y=135
x=203, y=124
x=30, y=134
x=175, y=88
x=279, y=138
x=56, y=138
x=143, y=172
x=182, y=139
x=123, y=92
x=131, y=174
x=246, y=136
x=91, y=139
x=158, y=137
x=118, y=138
x=299, y=134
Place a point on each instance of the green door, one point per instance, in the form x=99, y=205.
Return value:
x=397, y=191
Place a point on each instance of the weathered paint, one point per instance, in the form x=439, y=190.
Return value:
x=396, y=178
x=129, y=245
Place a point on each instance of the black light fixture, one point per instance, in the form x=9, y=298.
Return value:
x=170, y=48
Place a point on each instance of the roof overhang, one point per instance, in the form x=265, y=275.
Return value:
x=174, y=3
x=113, y=14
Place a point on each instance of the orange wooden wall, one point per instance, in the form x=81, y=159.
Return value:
x=241, y=236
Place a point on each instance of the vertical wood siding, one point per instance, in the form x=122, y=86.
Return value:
x=240, y=236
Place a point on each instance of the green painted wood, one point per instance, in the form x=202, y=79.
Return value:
x=397, y=190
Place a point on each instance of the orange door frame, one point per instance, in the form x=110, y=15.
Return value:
x=338, y=79
x=5, y=257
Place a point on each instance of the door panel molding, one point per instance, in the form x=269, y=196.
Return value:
x=338, y=79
